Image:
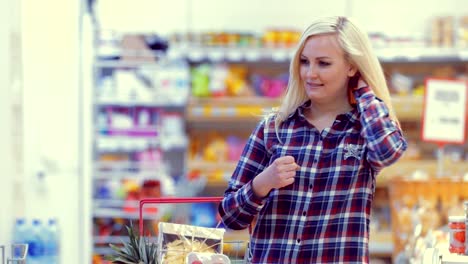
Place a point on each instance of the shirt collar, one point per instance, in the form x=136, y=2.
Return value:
x=352, y=115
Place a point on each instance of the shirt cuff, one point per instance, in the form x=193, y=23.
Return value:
x=362, y=89
x=254, y=203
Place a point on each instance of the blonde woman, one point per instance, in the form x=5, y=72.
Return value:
x=308, y=171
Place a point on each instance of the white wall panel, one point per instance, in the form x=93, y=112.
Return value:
x=258, y=15
x=395, y=17
x=50, y=44
x=403, y=18
x=160, y=16
x=6, y=163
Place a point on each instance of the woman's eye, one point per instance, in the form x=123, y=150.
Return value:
x=324, y=63
x=303, y=61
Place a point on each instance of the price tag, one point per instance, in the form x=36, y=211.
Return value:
x=234, y=55
x=444, y=119
x=196, y=55
x=197, y=111
x=252, y=55
x=463, y=54
x=174, y=53
x=216, y=55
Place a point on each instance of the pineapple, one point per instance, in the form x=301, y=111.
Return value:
x=137, y=251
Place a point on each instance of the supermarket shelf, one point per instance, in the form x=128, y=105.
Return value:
x=110, y=239
x=126, y=175
x=226, y=169
x=229, y=109
x=126, y=64
x=103, y=251
x=100, y=203
x=428, y=167
x=119, y=213
x=116, y=239
x=126, y=143
x=211, y=166
x=250, y=109
x=143, y=167
x=381, y=243
x=283, y=55
x=105, y=170
x=131, y=132
x=235, y=101
x=101, y=101
x=421, y=54
x=408, y=108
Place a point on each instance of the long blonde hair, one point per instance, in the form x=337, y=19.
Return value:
x=358, y=51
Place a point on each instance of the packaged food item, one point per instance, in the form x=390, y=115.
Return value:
x=457, y=229
x=207, y=258
x=177, y=241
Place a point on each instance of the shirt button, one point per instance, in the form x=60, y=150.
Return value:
x=315, y=160
x=304, y=213
x=298, y=240
x=311, y=186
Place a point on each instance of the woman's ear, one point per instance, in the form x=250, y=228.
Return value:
x=352, y=71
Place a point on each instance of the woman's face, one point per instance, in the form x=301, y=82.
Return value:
x=324, y=71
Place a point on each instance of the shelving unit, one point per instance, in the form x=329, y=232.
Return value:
x=139, y=139
x=246, y=109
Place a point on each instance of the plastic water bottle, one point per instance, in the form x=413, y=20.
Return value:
x=20, y=236
x=51, y=243
x=35, y=241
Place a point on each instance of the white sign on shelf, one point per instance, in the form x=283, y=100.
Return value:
x=444, y=119
x=234, y=55
x=252, y=55
x=215, y=55
x=279, y=55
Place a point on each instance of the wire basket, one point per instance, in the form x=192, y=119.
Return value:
x=235, y=249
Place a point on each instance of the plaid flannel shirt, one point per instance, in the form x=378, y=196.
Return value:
x=323, y=217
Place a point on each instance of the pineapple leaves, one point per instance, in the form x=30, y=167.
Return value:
x=137, y=250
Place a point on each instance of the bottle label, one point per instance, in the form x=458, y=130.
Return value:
x=35, y=249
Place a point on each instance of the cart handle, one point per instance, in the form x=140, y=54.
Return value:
x=172, y=200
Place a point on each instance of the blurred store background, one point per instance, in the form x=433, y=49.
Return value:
x=107, y=102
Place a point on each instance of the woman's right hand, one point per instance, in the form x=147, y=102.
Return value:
x=279, y=174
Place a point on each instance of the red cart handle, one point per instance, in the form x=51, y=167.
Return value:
x=172, y=200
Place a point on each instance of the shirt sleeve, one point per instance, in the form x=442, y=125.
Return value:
x=240, y=204
x=384, y=138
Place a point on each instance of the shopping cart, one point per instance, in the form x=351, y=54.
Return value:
x=18, y=251
x=235, y=248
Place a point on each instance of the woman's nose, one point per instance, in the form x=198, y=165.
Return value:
x=312, y=71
